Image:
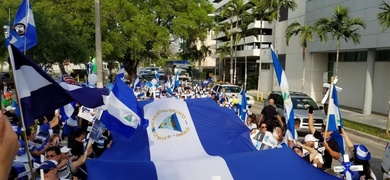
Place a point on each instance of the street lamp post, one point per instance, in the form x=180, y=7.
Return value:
x=98, y=43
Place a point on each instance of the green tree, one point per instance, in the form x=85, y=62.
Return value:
x=306, y=35
x=223, y=51
x=384, y=16
x=238, y=9
x=340, y=26
x=244, y=27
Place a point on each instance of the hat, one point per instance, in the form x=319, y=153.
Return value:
x=362, y=152
x=8, y=108
x=65, y=149
x=48, y=165
x=310, y=137
x=7, y=94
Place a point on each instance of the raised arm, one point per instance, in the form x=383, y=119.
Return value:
x=311, y=122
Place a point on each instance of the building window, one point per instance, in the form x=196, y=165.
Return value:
x=283, y=14
x=265, y=66
x=357, y=56
x=383, y=55
x=266, y=31
x=282, y=60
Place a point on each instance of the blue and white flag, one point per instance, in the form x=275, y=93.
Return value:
x=121, y=74
x=335, y=119
x=136, y=82
x=24, y=36
x=243, y=106
x=40, y=94
x=206, y=83
x=121, y=113
x=66, y=111
x=176, y=81
x=181, y=142
x=283, y=85
x=156, y=75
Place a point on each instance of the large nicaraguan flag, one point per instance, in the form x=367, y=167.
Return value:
x=40, y=94
x=284, y=88
x=121, y=113
x=24, y=27
x=334, y=119
x=194, y=139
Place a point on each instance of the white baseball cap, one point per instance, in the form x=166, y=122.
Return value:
x=65, y=149
x=8, y=108
x=310, y=137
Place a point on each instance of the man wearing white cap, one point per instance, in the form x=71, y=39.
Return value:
x=309, y=141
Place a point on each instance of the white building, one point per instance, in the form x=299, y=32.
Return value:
x=251, y=49
x=363, y=69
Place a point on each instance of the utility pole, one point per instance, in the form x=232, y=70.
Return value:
x=98, y=41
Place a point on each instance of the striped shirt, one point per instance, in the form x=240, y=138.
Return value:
x=65, y=172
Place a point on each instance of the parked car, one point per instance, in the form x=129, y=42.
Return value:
x=385, y=165
x=5, y=76
x=233, y=89
x=301, y=103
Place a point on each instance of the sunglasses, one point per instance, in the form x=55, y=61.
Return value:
x=263, y=127
x=49, y=156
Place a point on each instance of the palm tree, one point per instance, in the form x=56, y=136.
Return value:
x=238, y=9
x=268, y=10
x=306, y=34
x=224, y=27
x=384, y=16
x=244, y=27
x=340, y=26
x=223, y=51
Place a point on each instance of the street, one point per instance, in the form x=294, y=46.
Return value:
x=377, y=150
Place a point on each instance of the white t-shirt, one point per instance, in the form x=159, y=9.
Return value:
x=318, y=156
x=288, y=136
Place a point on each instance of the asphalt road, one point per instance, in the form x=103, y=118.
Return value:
x=377, y=150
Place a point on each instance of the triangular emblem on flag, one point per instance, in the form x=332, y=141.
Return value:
x=171, y=122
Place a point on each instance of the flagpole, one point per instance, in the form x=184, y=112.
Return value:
x=27, y=18
x=12, y=64
x=330, y=100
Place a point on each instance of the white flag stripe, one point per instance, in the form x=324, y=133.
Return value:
x=119, y=110
x=25, y=84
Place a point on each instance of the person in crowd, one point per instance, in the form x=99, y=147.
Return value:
x=55, y=140
x=49, y=170
x=7, y=101
x=269, y=113
x=35, y=149
x=76, y=143
x=360, y=156
x=309, y=141
x=309, y=157
x=250, y=124
x=10, y=113
x=66, y=166
x=288, y=137
x=9, y=146
x=104, y=142
x=46, y=125
x=214, y=97
x=4, y=88
x=263, y=127
x=332, y=150
x=278, y=135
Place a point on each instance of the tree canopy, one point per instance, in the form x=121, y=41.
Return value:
x=132, y=30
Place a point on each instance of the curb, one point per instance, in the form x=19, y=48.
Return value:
x=367, y=136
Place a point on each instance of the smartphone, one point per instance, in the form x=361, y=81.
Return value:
x=311, y=110
x=340, y=129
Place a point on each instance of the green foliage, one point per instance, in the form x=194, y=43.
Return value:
x=384, y=16
x=306, y=33
x=132, y=30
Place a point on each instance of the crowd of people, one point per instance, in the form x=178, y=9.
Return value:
x=317, y=148
x=58, y=148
